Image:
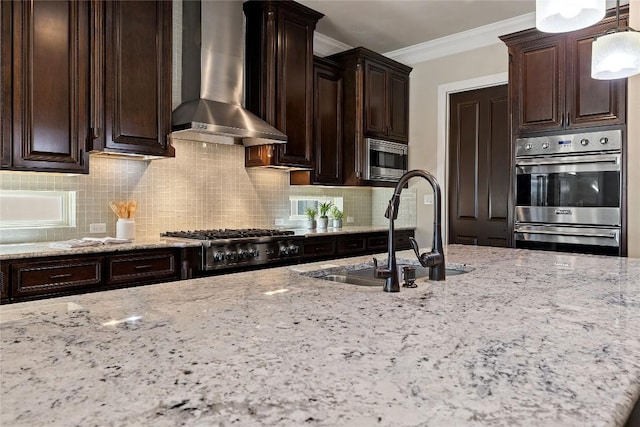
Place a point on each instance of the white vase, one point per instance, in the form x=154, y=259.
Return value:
x=337, y=223
x=323, y=222
x=125, y=229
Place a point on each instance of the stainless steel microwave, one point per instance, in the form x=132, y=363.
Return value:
x=385, y=160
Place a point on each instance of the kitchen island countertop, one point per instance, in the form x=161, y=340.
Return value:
x=526, y=338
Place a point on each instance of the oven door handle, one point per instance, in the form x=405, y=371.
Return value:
x=541, y=162
x=569, y=233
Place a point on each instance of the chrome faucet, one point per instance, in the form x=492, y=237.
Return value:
x=434, y=259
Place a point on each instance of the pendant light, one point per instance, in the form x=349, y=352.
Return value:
x=616, y=53
x=559, y=16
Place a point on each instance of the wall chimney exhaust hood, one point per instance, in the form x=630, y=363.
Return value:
x=212, y=78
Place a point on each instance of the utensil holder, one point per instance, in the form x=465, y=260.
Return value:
x=125, y=229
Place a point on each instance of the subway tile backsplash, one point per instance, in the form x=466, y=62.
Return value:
x=204, y=186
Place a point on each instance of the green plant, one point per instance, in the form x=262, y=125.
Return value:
x=311, y=213
x=337, y=213
x=324, y=208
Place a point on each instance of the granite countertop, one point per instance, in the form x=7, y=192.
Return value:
x=354, y=229
x=42, y=249
x=526, y=338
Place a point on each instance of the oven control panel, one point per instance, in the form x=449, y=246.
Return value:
x=569, y=144
x=216, y=257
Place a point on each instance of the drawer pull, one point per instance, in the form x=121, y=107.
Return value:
x=143, y=267
x=353, y=245
x=60, y=276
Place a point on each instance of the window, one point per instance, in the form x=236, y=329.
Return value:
x=299, y=204
x=37, y=209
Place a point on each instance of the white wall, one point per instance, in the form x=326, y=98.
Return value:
x=426, y=78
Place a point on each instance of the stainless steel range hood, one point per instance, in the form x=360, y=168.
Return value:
x=212, y=78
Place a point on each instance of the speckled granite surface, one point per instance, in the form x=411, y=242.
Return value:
x=33, y=250
x=526, y=338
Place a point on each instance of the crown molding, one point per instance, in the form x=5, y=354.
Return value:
x=463, y=41
x=325, y=45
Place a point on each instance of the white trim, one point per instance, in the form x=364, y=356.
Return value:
x=463, y=41
x=325, y=45
x=442, y=156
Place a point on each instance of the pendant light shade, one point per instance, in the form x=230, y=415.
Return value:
x=559, y=16
x=616, y=55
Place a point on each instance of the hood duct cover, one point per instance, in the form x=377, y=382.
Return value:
x=212, y=78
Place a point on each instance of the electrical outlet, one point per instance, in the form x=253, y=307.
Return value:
x=350, y=220
x=428, y=199
x=279, y=221
x=100, y=227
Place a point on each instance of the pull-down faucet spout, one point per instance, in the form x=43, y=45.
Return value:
x=434, y=259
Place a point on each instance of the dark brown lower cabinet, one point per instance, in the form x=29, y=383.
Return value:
x=4, y=282
x=141, y=267
x=343, y=245
x=31, y=279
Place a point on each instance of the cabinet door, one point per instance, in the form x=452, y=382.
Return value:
x=327, y=123
x=294, y=99
x=319, y=247
x=591, y=102
x=138, y=77
x=398, y=113
x=49, y=277
x=538, y=85
x=50, y=85
x=375, y=100
x=5, y=84
x=351, y=244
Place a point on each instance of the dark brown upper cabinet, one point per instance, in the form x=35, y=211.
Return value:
x=45, y=83
x=279, y=78
x=327, y=125
x=376, y=105
x=550, y=82
x=133, y=115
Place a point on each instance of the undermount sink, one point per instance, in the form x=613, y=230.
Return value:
x=365, y=277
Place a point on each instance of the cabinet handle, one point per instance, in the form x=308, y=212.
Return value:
x=143, y=267
x=562, y=120
x=59, y=276
x=568, y=118
x=353, y=245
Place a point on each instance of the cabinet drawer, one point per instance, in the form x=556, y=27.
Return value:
x=378, y=242
x=55, y=276
x=348, y=245
x=142, y=266
x=319, y=248
x=402, y=240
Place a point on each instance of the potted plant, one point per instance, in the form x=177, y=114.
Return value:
x=323, y=219
x=311, y=217
x=337, y=215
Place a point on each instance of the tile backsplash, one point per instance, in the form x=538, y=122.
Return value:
x=204, y=186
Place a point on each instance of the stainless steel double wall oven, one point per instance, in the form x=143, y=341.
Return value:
x=568, y=192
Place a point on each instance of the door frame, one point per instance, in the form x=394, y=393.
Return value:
x=442, y=157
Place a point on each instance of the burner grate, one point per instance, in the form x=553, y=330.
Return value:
x=227, y=233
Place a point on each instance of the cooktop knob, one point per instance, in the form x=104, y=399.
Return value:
x=604, y=140
x=294, y=249
x=218, y=256
x=231, y=255
x=284, y=250
x=584, y=142
x=528, y=146
x=545, y=145
x=242, y=254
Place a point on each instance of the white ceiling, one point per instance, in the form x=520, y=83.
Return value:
x=388, y=25
x=385, y=26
